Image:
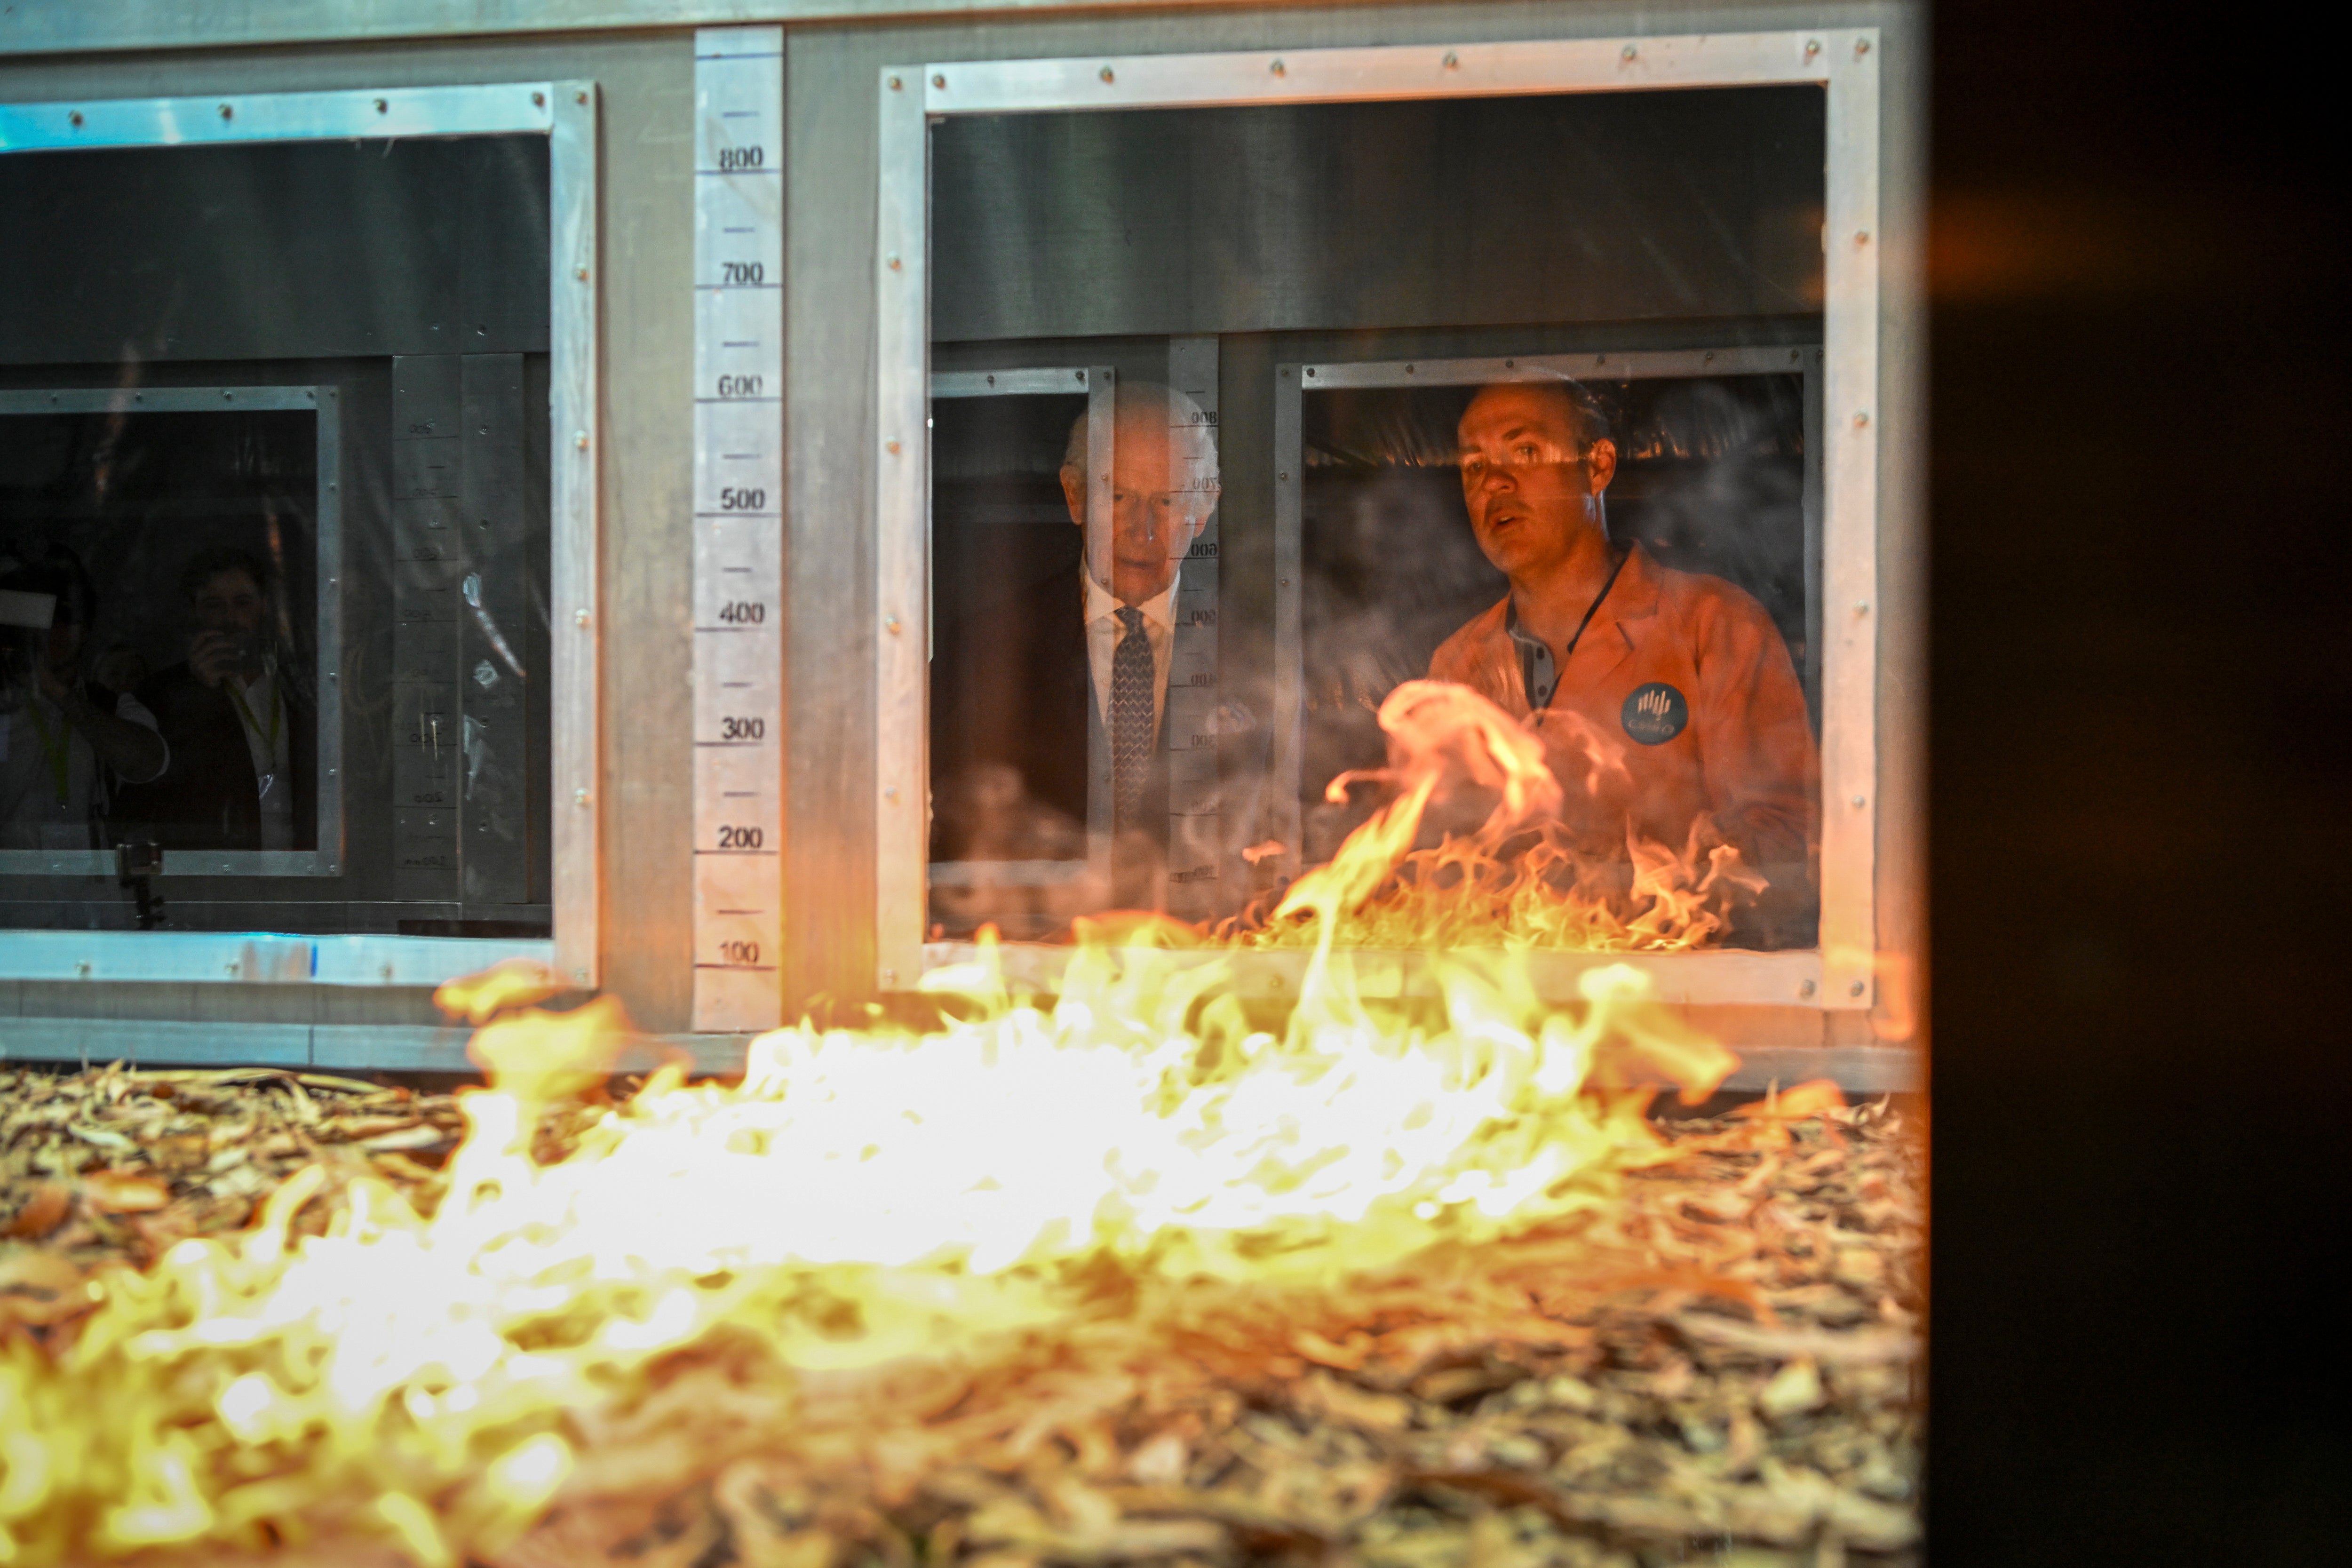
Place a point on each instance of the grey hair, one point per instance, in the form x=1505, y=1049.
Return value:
x=1144, y=398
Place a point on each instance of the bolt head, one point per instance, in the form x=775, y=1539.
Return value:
x=1857, y=988
x=580, y=439
x=1453, y=61
x=581, y=273
x=1862, y=45
x=939, y=82
x=1860, y=801
x=74, y=119
x=227, y=113
x=1860, y=420
x=1629, y=52
x=895, y=84
x=539, y=101
x=1106, y=74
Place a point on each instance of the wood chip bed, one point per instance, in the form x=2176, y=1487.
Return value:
x=1721, y=1368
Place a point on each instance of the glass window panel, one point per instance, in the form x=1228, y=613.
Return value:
x=1657, y=255
x=274, y=537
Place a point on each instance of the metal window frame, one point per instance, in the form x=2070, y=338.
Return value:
x=327, y=807
x=565, y=113
x=1101, y=384
x=1294, y=379
x=1844, y=61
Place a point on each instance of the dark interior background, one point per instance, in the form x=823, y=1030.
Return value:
x=325, y=264
x=134, y=496
x=2142, y=709
x=1000, y=527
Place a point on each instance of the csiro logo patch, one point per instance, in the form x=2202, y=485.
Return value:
x=1655, y=713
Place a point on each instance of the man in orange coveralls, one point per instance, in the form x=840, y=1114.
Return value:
x=1660, y=695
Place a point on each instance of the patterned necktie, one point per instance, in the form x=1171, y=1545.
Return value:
x=1131, y=714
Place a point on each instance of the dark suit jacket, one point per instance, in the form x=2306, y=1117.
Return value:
x=209, y=797
x=1010, y=684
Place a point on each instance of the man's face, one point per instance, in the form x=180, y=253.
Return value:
x=1163, y=489
x=1528, y=481
x=231, y=603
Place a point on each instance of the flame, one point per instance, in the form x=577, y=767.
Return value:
x=422, y=1381
x=1515, y=884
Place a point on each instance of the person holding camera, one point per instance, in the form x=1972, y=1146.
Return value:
x=65, y=743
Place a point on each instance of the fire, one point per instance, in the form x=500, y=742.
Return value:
x=1514, y=884
x=430, y=1380
x=424, y=1380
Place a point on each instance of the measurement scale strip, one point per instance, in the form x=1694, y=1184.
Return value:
x=738, y=374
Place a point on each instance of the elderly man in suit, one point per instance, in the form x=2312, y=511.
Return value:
x=1041, y=676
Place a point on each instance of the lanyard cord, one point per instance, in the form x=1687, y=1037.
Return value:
x=57, y=748
x=1559, y=675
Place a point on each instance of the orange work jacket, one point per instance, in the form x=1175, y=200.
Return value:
x=1679, y=700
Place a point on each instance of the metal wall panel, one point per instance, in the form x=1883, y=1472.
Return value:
x=832, y=244
x=1296, y=218
x=641, y=464
x=263, y=263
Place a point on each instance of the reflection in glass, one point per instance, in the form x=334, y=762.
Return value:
x=273, y=536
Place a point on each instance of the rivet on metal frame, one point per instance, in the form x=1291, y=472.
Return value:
x=891, y=262
x=580, y=439
x=1804, y=988
x=891, y=447
x=895, y=84
x=1859, y=801
x=579, y=96
x=1452, y=61
x=1862, y=606
x=578, y=617
x=74, y=119
x=1861, y=419
x=227, y=113
x=1629, y=52
x=1812, y=47
x=580, y=797
x=1862, y=45
x=539, y=101
x=890, y=624
x=939, y=82
x=1857, y=988
x=1862, y=236
x=581, y=273
x=891, y=792
x=1277, y=69
x=1107, y=74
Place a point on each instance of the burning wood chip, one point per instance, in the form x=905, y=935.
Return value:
x=1718, y=1369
